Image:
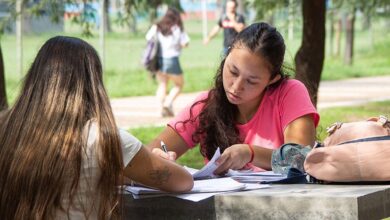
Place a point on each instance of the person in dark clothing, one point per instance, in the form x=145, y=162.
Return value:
x=231, y=22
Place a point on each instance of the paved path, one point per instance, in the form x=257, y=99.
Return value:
x=143, y=111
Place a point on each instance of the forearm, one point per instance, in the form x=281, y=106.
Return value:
x=262, y=157
x=238, y=26
x=172, y=140
x=151, y=170
x=213, y=32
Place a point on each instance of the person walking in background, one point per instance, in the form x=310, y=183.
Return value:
x=231, y=22
x=172, y=38
x=61, y=154
x=253, y=108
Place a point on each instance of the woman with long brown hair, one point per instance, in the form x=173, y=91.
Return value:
x=61, y=154
x=172, y=37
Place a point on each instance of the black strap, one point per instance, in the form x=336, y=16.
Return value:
x=377, y=138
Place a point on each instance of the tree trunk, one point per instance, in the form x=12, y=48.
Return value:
x=331, y=32
x=107, y=17
x=3, y=93
x=337, y=36
x=133, y=24
x=309, y=59
x=241, y=7
x=290, y=20
x=349, y=32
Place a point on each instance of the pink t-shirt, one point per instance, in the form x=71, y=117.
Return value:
x=280, y=106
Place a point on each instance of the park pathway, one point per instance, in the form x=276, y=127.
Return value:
x=143, y=111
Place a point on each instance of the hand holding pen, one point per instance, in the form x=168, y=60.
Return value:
x=164, y=153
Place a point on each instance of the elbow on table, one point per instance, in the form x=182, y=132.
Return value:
x=185, y=184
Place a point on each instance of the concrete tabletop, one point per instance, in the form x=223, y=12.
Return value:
x=287, y=201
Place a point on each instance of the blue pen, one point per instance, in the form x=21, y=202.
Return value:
x=164, y=147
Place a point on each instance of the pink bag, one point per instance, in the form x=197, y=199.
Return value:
x=356, y=151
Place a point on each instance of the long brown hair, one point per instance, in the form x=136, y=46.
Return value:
x=171, y=18
x=217, y=120
x=41, y=137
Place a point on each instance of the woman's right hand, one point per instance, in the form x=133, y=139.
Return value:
x=170, y=155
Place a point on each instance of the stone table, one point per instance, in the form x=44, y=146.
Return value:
x=293, y=201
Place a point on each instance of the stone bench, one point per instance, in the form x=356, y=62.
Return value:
x=307, y=201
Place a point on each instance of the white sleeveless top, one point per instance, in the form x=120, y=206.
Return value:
x=86, y=199
x=170, y=45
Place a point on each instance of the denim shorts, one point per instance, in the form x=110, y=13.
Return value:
x=170, y=65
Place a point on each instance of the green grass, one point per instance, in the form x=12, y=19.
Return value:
x=328, y=116
x=146, y=134
x=124, y=75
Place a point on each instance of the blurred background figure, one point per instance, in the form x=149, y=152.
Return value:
x=172, y=37
x=231, y=22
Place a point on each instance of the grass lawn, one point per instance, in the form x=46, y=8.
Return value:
x=124, y=75
x=328, y=116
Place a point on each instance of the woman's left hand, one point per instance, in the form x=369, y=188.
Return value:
x=234, y=157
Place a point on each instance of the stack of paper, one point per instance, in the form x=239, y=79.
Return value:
x=200, y=186
x=249, y=176
x=202, y=189
x=243, y=176
x=206, y=184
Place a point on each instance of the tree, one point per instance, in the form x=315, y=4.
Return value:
x=265, y=9
x=53, y=7
x=107, y=23
x=134, y=7
x=3, y=93
x=309, y=59
x=349, y=36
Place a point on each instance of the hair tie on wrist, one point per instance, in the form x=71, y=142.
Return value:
x=252, y=153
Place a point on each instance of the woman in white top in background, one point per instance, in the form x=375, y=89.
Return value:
x=172, y=38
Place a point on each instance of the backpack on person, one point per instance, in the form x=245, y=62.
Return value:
x=150, y=56
x=353, y=152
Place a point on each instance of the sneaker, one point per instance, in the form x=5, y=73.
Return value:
x=167, y=112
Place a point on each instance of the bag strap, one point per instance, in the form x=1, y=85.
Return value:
x=377, y=138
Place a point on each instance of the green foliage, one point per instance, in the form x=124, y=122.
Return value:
x=353, y=113
x=267, y=8
x=132, y=8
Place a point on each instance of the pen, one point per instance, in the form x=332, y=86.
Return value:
x=164, y=147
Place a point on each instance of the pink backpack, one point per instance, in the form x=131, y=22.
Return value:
x=356, y=151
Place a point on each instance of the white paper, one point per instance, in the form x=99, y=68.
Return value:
x=251, y=173
x=196, y=197
x=208, y=170
x=200, y=186
x=216, y=185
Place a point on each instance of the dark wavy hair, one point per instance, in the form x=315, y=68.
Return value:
x=217, y=120
x=171, y=18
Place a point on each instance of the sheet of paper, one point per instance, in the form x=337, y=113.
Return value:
x=257, y=179
x=196, y=197
x=249, y=176
x=200, y=186
x=208, y=170
x=251, y=173
x=217, y=185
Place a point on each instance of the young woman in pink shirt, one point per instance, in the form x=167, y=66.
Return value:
x=252, y=109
